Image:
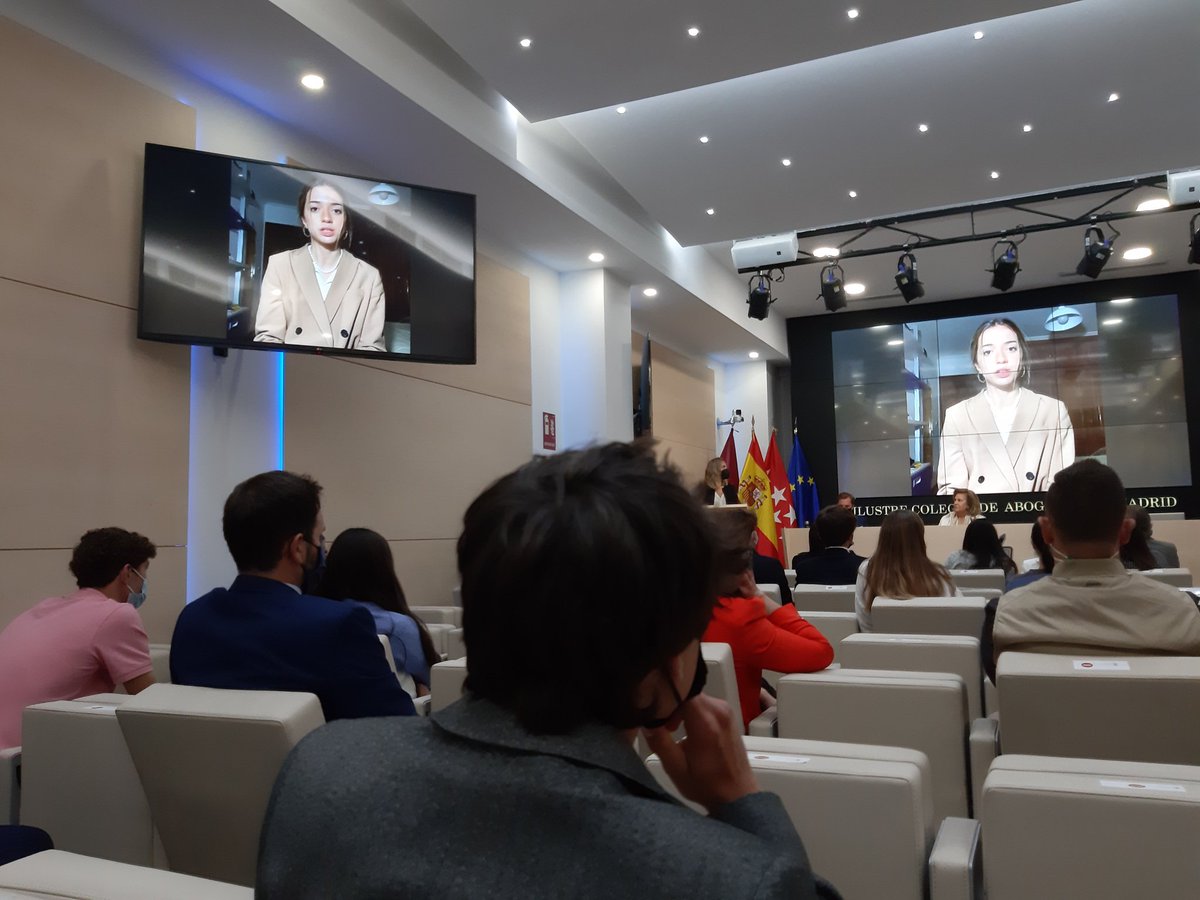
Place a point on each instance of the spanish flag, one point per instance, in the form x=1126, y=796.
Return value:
x=755, y=491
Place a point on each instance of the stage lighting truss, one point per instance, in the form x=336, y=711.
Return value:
x=1006, y=264
x=1096, y=251
x=833, y=287
x=906, y=278
x=759, y=296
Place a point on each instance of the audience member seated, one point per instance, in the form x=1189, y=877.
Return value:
x=1045, y=563
x=263, y=633
x=1136, y=552
x=1090, y=603
x=716, y=489
x=85, y=643
x=900, y=569
x=1166, y=555
x=769, y=570
x=836, y=563
x=530, y=785
x=761, y=633
x=360, y=569
x=982, y=549
x=964, y=508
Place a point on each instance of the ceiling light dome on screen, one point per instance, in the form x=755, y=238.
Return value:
x=1063, y=318
x=383, y=195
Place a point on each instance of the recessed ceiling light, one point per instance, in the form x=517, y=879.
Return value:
x=852, y=13
x=693, y=31
x=526, y=43
x=312, y=81
x=1137, y=253
x=896, y=342
x=995, y=174
x=1027, y=128
x=785, y=161
x=620, y=110
x=753, y=354
x=650, y=292
x=978, y=35
x=704, y=138
x=1122, y=300
x=1111, y=321
x=596, y=257
x=823, y=252
x=1114, y=97
x=710, y=211
x=855, y=288
x=853, y=194
x=922, y=128
x=1151, y=205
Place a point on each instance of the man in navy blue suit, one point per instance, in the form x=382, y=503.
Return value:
x=263, y=633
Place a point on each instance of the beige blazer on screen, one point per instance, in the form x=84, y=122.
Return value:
x=1040, y=444
x=291, y=311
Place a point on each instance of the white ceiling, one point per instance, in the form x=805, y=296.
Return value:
x=840, y=98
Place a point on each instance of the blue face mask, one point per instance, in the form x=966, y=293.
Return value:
x=137, y=598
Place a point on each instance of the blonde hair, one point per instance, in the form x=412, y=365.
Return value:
x=901, y=567
x=712, y=473
x=973, y=507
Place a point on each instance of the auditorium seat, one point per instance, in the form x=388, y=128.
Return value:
x=1103, y=830
x=978, y=578
x=447, y=615
x=447, y=681
x=1173, y=577
x=456, y=647
x=437, y=634
x=79, y=783
x=929, y=615
x=160, y=658
x=456, y=596
x=833, y=625
x=10, y=785
x=824, y=597
x=925, y=711
x=790, y=575
x=1139, y=708
x=207, y=759
x=770, y=590
x=722, y=680
x=985, y=593
x=919, y=653
x=865, y=813
x=58, y=874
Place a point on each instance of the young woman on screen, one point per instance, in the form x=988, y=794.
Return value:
x=321, y=295
x=900, y=569
x=964, y=508
x=360, y=569
x=1005, y=439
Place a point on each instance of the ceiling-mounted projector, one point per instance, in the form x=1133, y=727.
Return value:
x=1183, y=187
x=766, y=252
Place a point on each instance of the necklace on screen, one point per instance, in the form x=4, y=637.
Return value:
x=325, y=271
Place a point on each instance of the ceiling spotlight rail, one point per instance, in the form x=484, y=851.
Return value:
x=1097, y=215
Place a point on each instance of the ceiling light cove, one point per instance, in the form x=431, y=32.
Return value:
x=1137, y=253
x=854, y=288
x=1152, y=205
x=526, y=43
x=693, y=31
x=650, y=292
x=312, y=81
x=596, y=257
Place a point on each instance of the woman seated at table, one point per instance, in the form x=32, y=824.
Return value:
x=982, y=548
x=762, y=633
x=900, y=569
x=964, y=508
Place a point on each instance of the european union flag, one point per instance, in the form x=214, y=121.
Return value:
x=803, y=485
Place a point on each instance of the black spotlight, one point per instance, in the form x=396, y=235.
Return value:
x=1096, y=251
x=1006, y=265
x=906, y=278
x=759, y=297
x=1194, y=252
x=833, y=287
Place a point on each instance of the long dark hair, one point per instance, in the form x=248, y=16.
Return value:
x=982, y=542
x=360, y=567
x=1135, y=554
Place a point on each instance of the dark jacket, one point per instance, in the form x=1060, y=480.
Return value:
x=731, y=497
x=833, y=565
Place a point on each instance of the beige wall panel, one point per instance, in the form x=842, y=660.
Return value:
x=688, y=459
x=28, y=576
x=397, y=454
x=95, y=422
x=72, y=152
x=427, y=570
x=683, y=398
x=502, y=366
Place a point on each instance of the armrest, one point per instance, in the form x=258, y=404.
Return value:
x=984, y=746
x=955, y=865
x=422, y=704
x=991, y=698
x=767, y=723
x=10, y=785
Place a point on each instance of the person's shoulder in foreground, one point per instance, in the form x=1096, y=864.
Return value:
x=530, y=786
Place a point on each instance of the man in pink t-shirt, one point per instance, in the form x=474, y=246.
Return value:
x=85, y=643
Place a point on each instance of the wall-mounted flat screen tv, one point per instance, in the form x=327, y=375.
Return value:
x=256, y=255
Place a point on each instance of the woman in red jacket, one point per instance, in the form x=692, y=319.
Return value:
x=761, y=633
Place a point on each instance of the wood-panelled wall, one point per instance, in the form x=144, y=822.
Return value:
x=93, y=422
x=683, y=399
